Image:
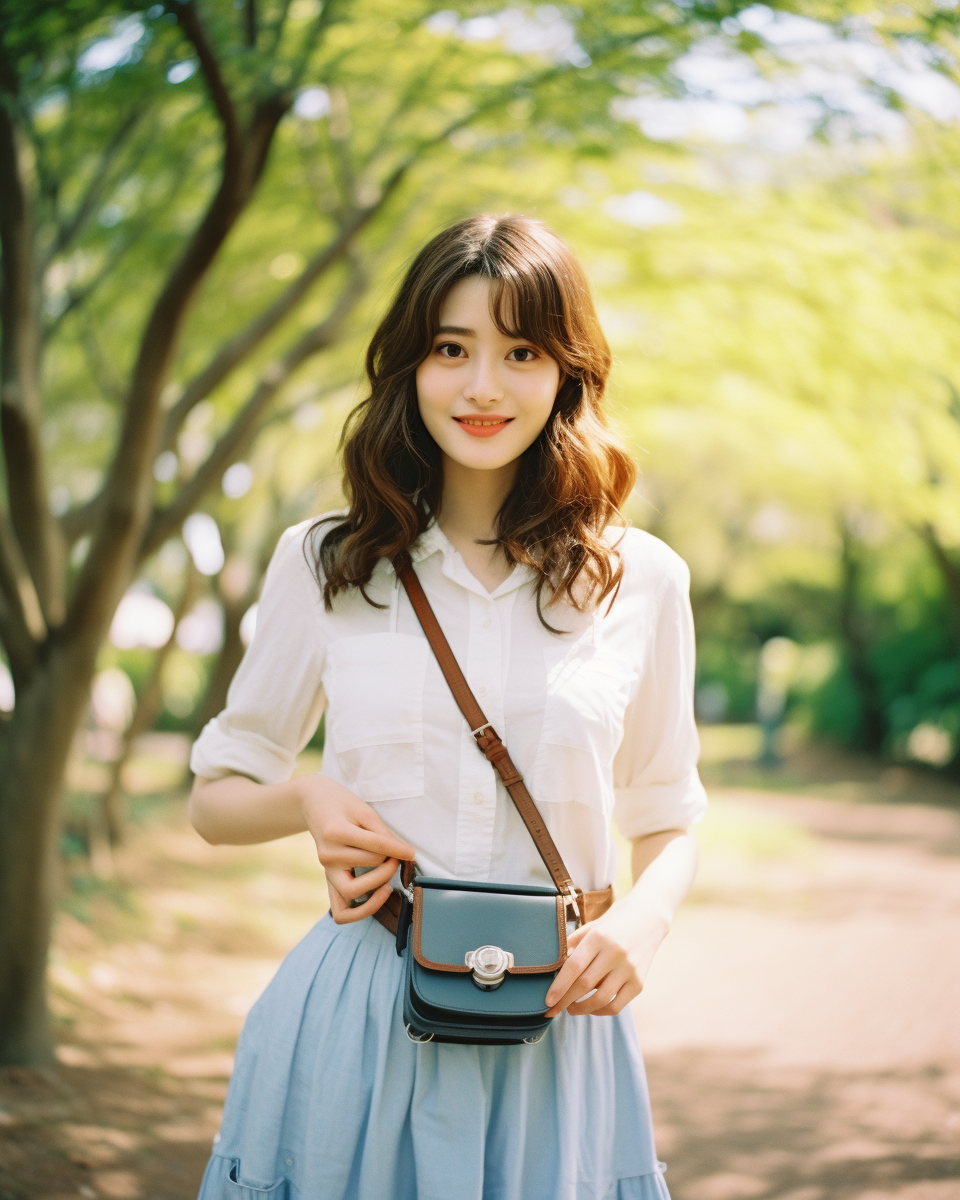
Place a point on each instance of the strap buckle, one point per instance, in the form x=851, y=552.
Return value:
x=480, y=728
x=572, y=900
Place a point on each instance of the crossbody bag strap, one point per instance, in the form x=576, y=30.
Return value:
x=486, y=736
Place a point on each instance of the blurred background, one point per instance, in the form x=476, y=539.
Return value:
x=204, y=208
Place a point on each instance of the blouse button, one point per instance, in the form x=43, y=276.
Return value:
x=486, y=623
x=482, y=691
x=478, y=797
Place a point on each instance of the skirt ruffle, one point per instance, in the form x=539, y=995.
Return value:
x=329, y=1100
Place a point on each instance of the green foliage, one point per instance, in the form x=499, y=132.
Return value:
x=788, y=351
x=786, y=357
x=127, y=154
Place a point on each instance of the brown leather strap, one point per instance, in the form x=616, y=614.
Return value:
x=595, y=905
x=486, y=736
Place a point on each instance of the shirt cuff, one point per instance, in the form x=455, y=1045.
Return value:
x=658, y=806
x=218, y=752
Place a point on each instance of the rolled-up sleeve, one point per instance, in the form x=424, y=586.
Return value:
x=656, y=784
x=276, y=699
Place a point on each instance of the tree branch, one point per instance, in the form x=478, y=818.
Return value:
x=948, y=568
x=69, y=229
x=250, y=22
x=121, y=245
x=81, y=295
x=311, y=38
x=243, y=427
x=275, y=28
x=102, y=369
x=17, y=648
x=34, y=526
x=25, y=627
x=238, y=348
x=851, y=627
x=190, y=23
x=124, y=509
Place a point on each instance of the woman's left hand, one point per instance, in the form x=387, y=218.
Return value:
x=609, y=958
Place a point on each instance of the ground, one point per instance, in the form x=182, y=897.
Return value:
x=801, y=1025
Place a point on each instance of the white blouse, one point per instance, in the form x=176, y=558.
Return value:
x=598, y=719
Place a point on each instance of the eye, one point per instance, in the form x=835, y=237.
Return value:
x=523, y=354
x=451, y=350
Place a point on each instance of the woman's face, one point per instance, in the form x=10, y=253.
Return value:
x=484, y=397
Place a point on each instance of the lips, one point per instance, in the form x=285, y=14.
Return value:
x=483, y=427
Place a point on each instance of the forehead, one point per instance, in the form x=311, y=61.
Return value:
x=467, y=305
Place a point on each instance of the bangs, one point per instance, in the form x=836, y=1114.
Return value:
x=526, y=301
x=528, y=305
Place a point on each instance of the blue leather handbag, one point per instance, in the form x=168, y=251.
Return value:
x=480, y=957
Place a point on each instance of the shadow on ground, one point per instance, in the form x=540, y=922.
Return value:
x=731, y=1128
x=120, y=1133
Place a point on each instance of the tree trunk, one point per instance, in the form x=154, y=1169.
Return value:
x=231, y=652
x=873, y=722
x=949, y=569
x=33, y=757
x=148, y=704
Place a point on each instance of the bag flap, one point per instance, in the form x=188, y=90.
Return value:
x=450, y=922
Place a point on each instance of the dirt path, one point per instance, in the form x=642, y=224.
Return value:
x=802, y=1024
x=801, y=1027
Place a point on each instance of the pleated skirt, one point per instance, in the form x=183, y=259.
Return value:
x=329, y=1100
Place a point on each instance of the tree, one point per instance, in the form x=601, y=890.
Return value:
x=107, y=823
x=135, y=201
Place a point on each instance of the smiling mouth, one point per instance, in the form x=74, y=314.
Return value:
x=483, y=426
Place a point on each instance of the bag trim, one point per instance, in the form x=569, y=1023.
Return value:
x=462, y=968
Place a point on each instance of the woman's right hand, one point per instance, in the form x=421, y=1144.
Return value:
x=349, y=834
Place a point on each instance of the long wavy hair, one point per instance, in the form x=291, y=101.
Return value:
x=571, y=481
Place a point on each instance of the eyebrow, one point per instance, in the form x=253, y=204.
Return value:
x=457, y=329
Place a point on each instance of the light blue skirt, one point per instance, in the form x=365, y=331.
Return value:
x=329, y=1100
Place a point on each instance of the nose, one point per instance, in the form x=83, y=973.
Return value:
x=483, y=387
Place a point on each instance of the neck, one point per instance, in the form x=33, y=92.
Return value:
x=471, y=499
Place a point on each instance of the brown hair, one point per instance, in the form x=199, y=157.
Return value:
x=573, y=478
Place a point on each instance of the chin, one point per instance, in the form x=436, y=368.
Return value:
x=480, y=461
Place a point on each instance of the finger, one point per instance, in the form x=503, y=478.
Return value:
x=630, y=991
x=339, y=854
x=567, y=976
x=337, y=902
x=586, y=958
x=384, y=841
x=351, y=886
x=345, y=914
x=580, y=988
x=601, y=997
x=574, y=939
x=606, y=962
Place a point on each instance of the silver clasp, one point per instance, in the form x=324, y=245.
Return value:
x=489, y=964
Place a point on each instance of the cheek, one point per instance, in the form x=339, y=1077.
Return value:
x=541, y=396
x=429, y=391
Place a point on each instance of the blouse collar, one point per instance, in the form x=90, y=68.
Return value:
x=434, y=541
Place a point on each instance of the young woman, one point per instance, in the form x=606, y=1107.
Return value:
x=482, y=450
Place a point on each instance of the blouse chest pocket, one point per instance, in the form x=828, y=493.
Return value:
x=587, y=693
x=374, y=686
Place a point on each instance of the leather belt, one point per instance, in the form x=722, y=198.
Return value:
x=595, y=904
